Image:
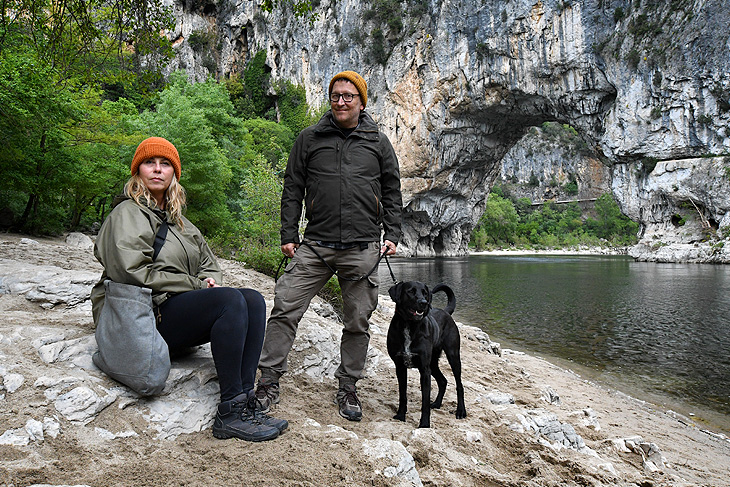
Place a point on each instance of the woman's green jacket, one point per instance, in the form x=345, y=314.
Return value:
x=124, y=248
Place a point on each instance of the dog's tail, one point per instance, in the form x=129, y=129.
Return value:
x=451, y=305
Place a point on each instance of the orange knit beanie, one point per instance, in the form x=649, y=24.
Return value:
x=156, y=147
x=357, y=80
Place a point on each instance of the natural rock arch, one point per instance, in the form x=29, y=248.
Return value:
x=445, y=184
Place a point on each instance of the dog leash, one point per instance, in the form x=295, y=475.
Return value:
x=285, y=260
x=392, y=276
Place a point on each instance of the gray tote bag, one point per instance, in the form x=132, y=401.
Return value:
x=131, y=350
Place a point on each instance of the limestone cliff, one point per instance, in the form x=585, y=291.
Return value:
x=552, y=163
x=456, y=83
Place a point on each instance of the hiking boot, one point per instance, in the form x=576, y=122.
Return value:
x=234, y=419
x=350, y=407
x=267, y=394
x=263, y=418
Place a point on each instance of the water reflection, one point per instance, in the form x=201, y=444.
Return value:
x=660, y=328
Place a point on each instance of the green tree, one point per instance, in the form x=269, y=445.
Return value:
x=499, y=221
x=523, y=206
x=34, y=113
x=252, y=97
x=71, y=92
x=259, y=240
x=301, y=8
x=611, y=224
x=552, y=225
x=249, y=93
x=87, y=40
x=54, y=55
x=570, y=219
x=293, y=108
x=270, y=139
x=97, y=170
x=198, y=120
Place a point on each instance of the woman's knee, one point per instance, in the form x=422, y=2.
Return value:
x=254, y=300
x=227, y=305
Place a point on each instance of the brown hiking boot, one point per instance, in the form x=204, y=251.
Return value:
x=350, y=407
x=267, y=394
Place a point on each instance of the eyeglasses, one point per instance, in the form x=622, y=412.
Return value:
x=346, y=97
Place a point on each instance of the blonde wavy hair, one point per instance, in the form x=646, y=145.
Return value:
x=174, y=197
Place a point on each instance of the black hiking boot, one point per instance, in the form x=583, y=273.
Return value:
x=350, y=407
x=267, y=394
x=235, y=419
x=263, y=418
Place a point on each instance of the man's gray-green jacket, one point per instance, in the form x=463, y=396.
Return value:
x=350, y=185
x=124, y=248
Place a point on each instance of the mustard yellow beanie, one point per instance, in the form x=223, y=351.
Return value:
x=156, y=147
x=357, y=80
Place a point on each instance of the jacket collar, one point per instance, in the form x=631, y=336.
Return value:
x=161, y=214
x=366, y=127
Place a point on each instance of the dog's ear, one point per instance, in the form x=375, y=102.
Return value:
x=429, y=297
x=394, y=292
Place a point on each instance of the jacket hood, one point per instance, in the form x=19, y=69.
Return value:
x=119, y=199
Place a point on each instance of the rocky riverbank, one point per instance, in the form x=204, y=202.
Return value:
x=530, y=423
x=695, y=253
x=579, y=250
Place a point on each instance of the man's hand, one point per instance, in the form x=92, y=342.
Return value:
x=210, y=282
x=388, y=248
x=289, y=249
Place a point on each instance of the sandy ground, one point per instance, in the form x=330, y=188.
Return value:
x=320, y=448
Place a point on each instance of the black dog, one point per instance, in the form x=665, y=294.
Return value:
x=416, y=338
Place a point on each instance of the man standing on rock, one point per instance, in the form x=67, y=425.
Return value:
x=346, y=173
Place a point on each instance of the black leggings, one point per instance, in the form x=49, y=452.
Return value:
x=232, y=320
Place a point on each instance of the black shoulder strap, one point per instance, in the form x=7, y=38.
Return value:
x=159, y=240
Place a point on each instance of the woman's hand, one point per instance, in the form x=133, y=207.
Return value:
x=210, y=282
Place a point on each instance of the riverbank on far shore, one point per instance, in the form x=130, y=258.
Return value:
x=580, y=250
x=710, y=252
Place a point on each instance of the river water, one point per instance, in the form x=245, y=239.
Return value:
x=659, y=332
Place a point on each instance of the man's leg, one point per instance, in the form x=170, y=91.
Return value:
x=305, y=275
x=360, y=299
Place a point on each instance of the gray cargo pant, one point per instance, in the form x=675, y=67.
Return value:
x=305, y=275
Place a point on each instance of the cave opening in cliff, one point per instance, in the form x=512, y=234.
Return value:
x=209, y=9
x=438, y=244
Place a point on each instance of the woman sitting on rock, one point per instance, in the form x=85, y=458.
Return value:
x=191, y=307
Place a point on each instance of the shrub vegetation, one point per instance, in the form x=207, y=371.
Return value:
x=507, y=222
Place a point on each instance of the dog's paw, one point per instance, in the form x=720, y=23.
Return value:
x=424, y=424
x=400, y=417
x=436, y=405
x=460, y=413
